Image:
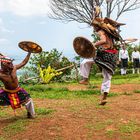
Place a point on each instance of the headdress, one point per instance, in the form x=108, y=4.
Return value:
x=5, y=59
x=108, y=25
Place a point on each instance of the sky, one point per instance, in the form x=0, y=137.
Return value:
x=27, y=20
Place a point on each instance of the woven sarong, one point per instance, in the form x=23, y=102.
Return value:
x=106, y=60
x=136, y=63
x=13, y=97
x=124, y=63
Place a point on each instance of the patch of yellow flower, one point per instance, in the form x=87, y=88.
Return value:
x=48, y=73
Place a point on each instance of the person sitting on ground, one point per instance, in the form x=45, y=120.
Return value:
x=12, y=94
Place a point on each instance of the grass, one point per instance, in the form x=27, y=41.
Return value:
x=19, y=124
x=117, y=79
x=43, y=91
x=3, y=113
x=99, y=125
x=44, y=111
x=15, y=127
x=129, y=128
x=81, y=101
x=136, y=91
x=1, y=138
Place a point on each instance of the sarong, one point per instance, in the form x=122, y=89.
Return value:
x=136, y=63
x=15, y=98
x=106, y=60
x=124, y=63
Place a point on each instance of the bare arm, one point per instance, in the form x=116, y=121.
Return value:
x=24, y=62
x=103, y=39
x=1, y=75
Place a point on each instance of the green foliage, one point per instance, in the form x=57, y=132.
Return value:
x=95, y=37
x=54, y=59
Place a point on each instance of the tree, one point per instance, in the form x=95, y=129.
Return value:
x=54, y=59
x=82, y=10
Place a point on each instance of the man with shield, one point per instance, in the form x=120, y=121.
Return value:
x=106, y=57
x=107, y=54
x=12, y=94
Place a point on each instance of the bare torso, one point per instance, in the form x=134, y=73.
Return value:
x=105, y=41
x=9, y=77
x=9, y=80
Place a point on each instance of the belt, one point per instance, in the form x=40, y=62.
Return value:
x=12, y=90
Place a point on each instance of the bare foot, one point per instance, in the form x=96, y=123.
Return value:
x=84, y=82
x=103, y=102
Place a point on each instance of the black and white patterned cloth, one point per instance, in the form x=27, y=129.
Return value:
x=106, y=60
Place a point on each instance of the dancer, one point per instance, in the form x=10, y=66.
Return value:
x=106, y=57
x=12, y=94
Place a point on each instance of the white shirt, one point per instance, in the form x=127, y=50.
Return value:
x=135, y=55
x=123, y=54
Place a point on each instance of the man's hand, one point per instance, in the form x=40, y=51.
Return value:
x=94, y=45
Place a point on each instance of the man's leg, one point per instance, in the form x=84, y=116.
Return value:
x=133, y=71
x=105, y=87
x=30, y=109
x=138, y=71
x=85, y=68
x=122, y=71
x=125, y=71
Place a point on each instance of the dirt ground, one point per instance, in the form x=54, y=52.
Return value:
x=83, y=120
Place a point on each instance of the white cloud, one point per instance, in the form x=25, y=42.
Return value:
x=3, y=40
x=3, y=29
x=3, y=5
x=25, y=7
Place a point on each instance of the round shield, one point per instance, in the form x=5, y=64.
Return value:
x=84, y=47
x=29, y=46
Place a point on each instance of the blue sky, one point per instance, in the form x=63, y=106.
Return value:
x=27, y=20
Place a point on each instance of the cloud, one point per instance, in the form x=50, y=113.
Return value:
x=25, y=7
x=3, y=40
x=3, y=29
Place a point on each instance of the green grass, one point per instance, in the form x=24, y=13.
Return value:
x=44, y=111
x=44, y=91
x=129, y=128
x=2, y=138
x=117, y=79
x=49, y=92
x=16, y=126
x=99, y=125
x=136, y=91
x=3, y=113
x=110, y=133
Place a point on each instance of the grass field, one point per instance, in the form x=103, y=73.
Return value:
x=69, y=111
